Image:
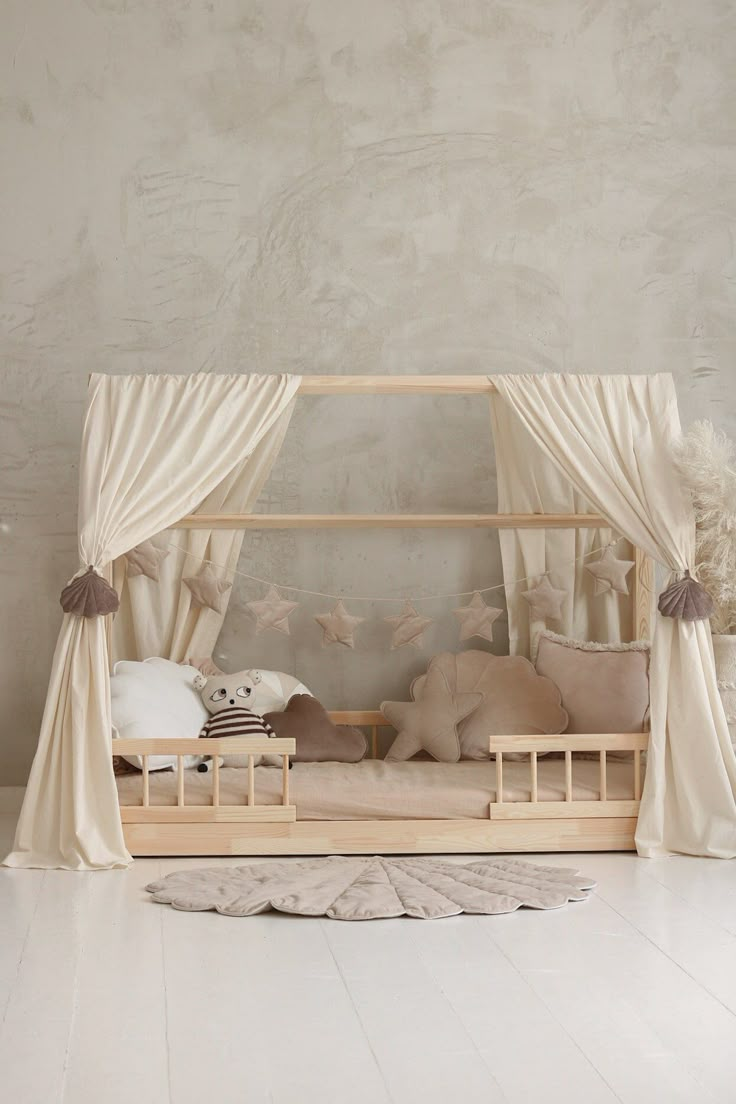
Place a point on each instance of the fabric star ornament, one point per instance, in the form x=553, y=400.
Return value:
x=476, y=619
x=145, y=559
x=545, y=601
x=609, y=573
x=429, y=724
x=408, y=626
x=207, y=590
x=272, y=612
x=338, y=626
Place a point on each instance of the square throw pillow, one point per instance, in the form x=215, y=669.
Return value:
x=514, y=699
x=318, y=740
x=604, y=687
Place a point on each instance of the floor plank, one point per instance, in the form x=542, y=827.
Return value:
x=120, y=1013
x=627, y=997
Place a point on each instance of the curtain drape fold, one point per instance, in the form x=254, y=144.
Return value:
x=611, y=436
x=153, y=449
x=528, y=484
x=157, y=618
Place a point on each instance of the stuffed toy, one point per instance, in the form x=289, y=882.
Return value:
x=271, y=689
x=227, y=698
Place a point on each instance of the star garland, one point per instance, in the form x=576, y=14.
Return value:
x=476, y=619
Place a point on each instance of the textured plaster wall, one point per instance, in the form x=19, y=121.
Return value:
x=346, y=186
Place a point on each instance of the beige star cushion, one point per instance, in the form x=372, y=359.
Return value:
x=430, y=724
x=515, y=700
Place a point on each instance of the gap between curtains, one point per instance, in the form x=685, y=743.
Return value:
x=611, y=436
x=153, y=449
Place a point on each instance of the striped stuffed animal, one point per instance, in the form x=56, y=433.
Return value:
x=226, y=697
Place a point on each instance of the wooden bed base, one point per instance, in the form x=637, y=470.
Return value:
x=252, y=829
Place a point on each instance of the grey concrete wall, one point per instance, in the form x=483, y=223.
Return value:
x=346, y=186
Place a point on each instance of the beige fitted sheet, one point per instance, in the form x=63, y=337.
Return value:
x=376, y=790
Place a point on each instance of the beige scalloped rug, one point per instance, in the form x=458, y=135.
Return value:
x=372, y=888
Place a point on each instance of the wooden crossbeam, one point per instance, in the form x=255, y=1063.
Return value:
x=391, y=521
x=396, y=385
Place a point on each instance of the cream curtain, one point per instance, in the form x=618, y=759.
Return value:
x=157, y=618
x=528, y=484
x=610, y=436
x=153, y=449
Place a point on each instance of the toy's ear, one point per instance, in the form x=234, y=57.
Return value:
x=200, y=682
x=254, y=676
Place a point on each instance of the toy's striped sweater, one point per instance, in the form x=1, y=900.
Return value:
x=236, y=721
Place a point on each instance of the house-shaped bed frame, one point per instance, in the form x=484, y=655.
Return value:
x=533, y=825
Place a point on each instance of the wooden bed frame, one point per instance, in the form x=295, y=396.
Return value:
x=251, y=829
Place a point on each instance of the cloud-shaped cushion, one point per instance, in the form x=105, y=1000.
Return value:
x=516, y=700
x=156, y=699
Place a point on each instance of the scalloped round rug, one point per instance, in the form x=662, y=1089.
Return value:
x=372, y=888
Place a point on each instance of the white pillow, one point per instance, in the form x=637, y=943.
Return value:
x=156, y=698
x=272, y=693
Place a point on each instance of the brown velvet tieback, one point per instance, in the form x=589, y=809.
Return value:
x=686, y=600
x=89, y=595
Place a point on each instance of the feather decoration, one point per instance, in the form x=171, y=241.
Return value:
x=706, y=460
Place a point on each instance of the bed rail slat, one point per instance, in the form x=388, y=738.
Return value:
x=285, y=780
x=499, y=778
x=180, y=780
x=216, y=781
x=146, y=781
x=568, y=776
x=534, y=778
x=637, y=775
x=251, y=781
x=603, y=778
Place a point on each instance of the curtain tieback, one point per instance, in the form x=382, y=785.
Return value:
x=686, y=600
x=89, y=595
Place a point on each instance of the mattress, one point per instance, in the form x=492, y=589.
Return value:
x=376, y=790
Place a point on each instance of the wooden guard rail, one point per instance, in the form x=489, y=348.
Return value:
x=602, y=743
x=501, y=809
x=182, y=749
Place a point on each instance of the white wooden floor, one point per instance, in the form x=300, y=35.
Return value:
x=630, y=996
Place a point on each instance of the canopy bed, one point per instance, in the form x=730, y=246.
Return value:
x=191, y=453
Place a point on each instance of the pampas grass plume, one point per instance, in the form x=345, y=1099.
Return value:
x=706, y=461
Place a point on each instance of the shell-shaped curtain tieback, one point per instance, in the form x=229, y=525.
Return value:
x=89, y=595
x=686, y=599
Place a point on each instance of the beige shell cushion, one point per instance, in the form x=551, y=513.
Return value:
x=514, y=699
x=604, y=687
x=429, y=724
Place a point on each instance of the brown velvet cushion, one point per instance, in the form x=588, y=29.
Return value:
x=604, y=687
x=429, y=724
x=515, y=701
x=318, y=740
